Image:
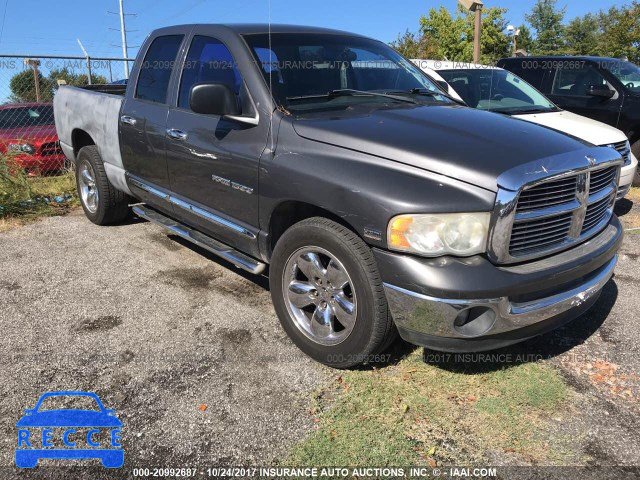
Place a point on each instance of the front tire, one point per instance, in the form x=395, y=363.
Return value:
x=101, y=202
x=328, y=294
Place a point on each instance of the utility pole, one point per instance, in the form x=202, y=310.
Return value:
x=86, y=55
x=476, y=7
x=123, y=32
x=34, y=63
x=125, y=48
x=478, y=33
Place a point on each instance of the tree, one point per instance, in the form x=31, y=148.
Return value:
x=525, y=39
x=582, y=35
x=23, y=87
x=413, y=45
x=620, y=32
x=74, y=79
x=451, y=36
x=546, y=19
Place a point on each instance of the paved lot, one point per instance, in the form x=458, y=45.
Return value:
x=187, y=351
x=191, y=356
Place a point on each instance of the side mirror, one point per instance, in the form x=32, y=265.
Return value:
x=600, y=91
x=213, y=99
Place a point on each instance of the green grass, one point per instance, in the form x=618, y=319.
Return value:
x=24, y=199
x=53, y=186
x=413, y=413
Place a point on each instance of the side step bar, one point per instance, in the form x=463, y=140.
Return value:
x=239, y=259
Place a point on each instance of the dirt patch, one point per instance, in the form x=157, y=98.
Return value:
x=190, y=278
x=235, y=337
x=106, y=322
x=245, y=291
x=166, y=241
x=9, y=286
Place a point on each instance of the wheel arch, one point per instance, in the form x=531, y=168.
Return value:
x=80, y=139
x=289, y=212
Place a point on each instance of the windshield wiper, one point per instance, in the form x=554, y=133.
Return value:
x=525, y=111
x=429, y=93
x=348, y=92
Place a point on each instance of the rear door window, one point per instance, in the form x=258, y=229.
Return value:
x=155, y=71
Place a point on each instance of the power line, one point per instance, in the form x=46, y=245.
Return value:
x=4, y=17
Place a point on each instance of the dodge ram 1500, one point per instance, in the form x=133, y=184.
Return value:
x=379, y=204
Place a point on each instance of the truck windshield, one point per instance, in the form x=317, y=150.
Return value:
x=311, y=72
x=628, y=73
x=496, y=90
x=22, y=117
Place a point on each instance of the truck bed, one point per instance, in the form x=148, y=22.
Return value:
x=92, y=111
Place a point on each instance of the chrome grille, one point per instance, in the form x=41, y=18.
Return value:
x=548, y=194
x=595, y=214
x=601, y=179
x=535, y=235
x=49, y=149
x=554, y=214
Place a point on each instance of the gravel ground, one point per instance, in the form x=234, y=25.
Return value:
x=187, y=350
x=190, y=354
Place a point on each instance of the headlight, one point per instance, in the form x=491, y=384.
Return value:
x=432, y=235
x=22, y=148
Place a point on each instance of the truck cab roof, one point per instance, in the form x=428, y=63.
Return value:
x=256, y=28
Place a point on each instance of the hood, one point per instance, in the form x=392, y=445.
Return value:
x=462, y=143
x=69, y=418
x=592, y=131
x=29, y=133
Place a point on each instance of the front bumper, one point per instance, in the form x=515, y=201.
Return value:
x=38, y=163
x=461, y=305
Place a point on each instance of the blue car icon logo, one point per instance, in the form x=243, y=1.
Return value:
x=43, y=433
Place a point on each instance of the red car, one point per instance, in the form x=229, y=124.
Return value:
x=28, y=134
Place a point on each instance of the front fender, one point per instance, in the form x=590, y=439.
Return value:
x=364, y=191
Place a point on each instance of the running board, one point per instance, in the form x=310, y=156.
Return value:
x=239, y=259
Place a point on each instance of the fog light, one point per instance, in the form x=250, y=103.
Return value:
x=475, y=321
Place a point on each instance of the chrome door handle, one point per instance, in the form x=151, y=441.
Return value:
x=177, y=134
x=128, y=120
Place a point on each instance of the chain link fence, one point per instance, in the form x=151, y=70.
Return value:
x=33, y=170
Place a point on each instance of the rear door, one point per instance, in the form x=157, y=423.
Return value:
x=569, y=91
x=213, y=161
x=143, y=120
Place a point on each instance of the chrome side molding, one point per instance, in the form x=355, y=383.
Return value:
x=231, y=255
x=168, y=197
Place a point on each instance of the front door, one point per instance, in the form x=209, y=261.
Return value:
x=212, y=161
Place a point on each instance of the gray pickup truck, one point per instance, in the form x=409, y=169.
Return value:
x=379, y=204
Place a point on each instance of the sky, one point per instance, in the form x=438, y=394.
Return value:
x=45, y=27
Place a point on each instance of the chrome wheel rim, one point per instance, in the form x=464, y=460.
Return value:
x=88, y=188
x=319, y=296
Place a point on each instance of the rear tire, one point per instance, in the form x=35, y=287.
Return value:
x=635, y=148
x=101, y=202
x=337, y=311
